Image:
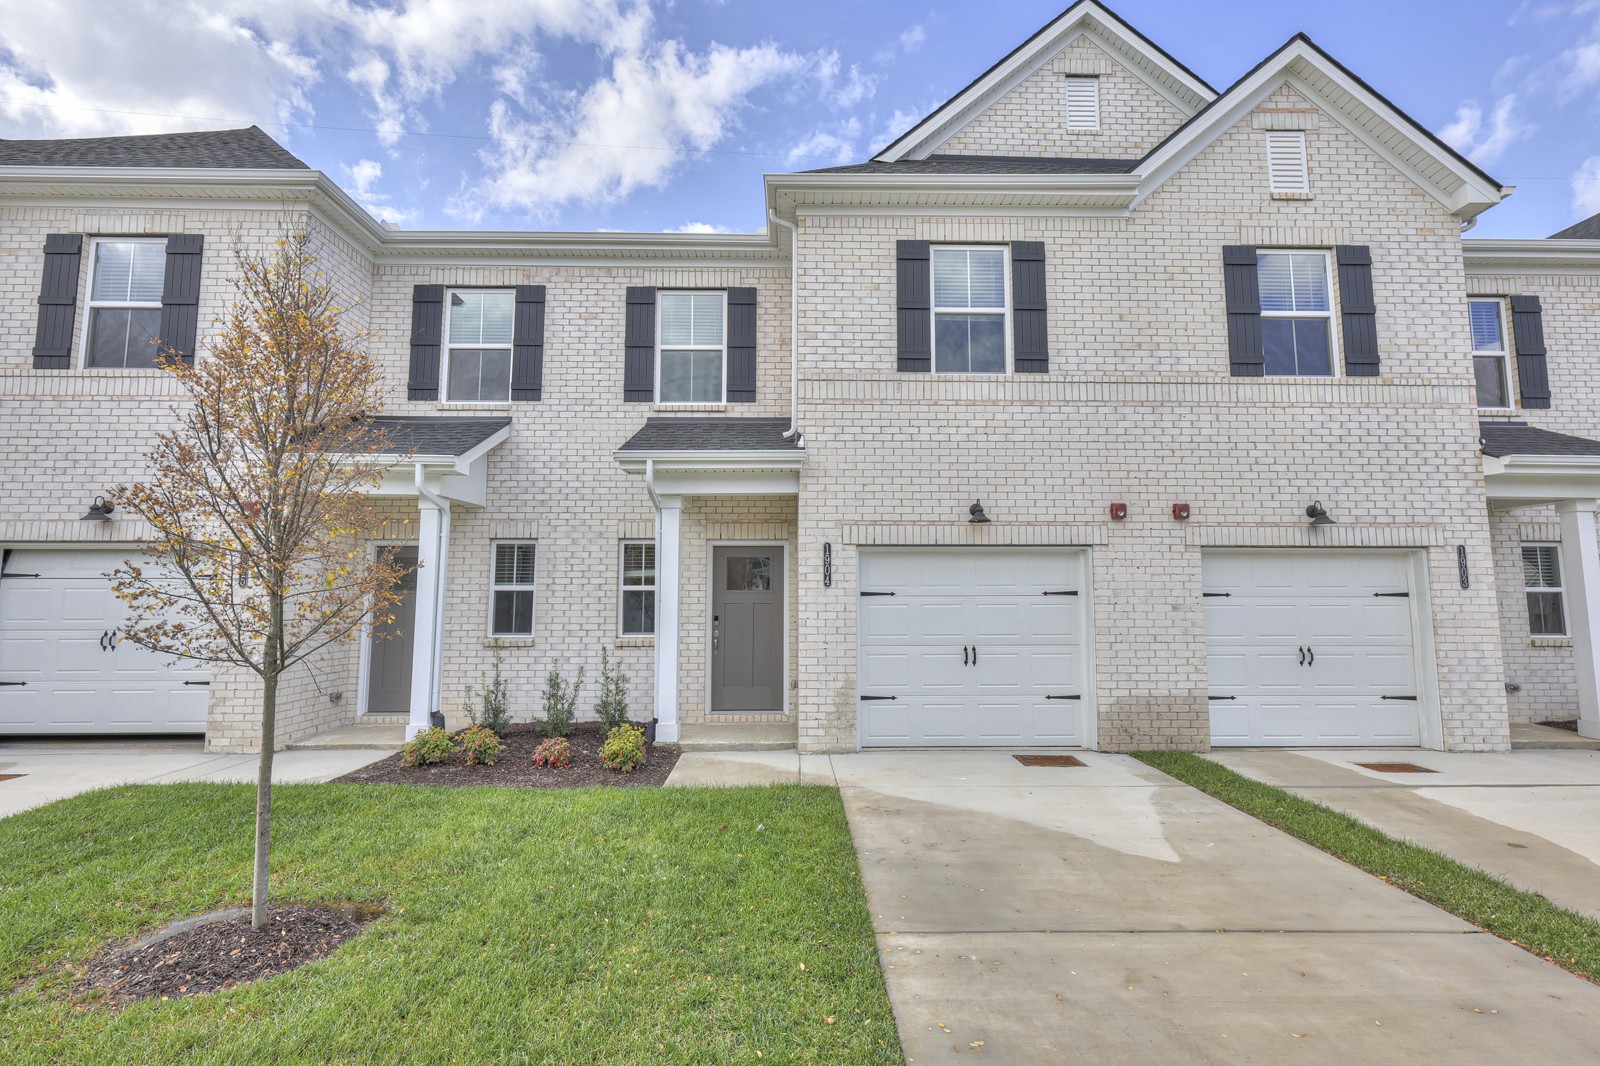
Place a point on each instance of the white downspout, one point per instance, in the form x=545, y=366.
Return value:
x=436, y=665
x=794, y=322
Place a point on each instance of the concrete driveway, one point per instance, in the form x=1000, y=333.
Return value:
x=1533, y=817
x=1108, y=914
x=52, y=770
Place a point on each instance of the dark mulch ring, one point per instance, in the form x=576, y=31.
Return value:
x=514, y=767
x=206, y=955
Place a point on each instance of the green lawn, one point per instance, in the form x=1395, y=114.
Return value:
x=583, y=926
x=1527, y=919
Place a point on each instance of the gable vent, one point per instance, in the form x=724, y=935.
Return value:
x=1083, y=103
x=1286, y=161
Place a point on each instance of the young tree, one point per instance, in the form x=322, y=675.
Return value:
x=259, y=498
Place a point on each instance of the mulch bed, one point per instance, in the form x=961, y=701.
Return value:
x=1569, y=724
x=514, y=767
x=218, y=955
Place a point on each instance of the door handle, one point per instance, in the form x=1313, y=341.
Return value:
x=716, y=631
x=1311, y=656
x=1302, y=656
x=974, y=655
x=103, y=640
x=964, y=655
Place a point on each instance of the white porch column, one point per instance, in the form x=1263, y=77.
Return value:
x=1580, y=563
x=425, y=628
x=669, y=534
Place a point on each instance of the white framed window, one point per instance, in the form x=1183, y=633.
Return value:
x=477, y=357
x=971, y=330
x=1542, y=581
x=1083, y=103
x=1286, y=162
x=637, y=606
x=125, y=284
x=511, y=580
x=1490, y=362
x=691, y=348
x=1296, y=312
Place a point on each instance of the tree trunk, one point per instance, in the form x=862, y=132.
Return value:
x=271, y=664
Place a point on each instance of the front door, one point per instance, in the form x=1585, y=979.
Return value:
x=389, y=655
x=747, y=629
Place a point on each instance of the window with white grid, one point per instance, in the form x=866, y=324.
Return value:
x=511, y=581
x=1541, y=578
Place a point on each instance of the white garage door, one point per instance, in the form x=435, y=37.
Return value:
x=971, y=647
x=64, y=667
x=1310, y=648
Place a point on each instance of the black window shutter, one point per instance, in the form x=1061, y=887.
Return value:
x=741, y=346
x=427, y=327
x=1527, y=330
x=180, y=294
x=639, y=372
x=1029, y=318
x=58, y=301
x=1358, y=310
x=914, y=302
x=1243, y=291
x=527, y=344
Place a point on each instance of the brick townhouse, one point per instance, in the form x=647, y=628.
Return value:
x=1103, y=408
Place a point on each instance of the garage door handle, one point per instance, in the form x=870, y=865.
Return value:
x=1073, y=592
x=102, y=640
x=1302, y=656
x=880, y=697
x=197, y=682
x=877, y=594
x=1412, y=699
x=10, y=684
x=1222, y=697
x=964, y=655
x=1063, y=697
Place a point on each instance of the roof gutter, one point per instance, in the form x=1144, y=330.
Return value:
x=794, y=321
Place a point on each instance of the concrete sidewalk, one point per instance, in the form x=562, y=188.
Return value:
x=1532, y=817
x=52, y=770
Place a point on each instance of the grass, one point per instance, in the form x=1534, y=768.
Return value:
x=1527, y=919
x=583, y=926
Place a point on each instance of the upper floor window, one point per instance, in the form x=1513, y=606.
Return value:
x=125, y=303
x=512, y=582
x=969, y=310
x=1083, y=103
x=1296, y=312
x=1541, y=579
x=478, y=327
x=692, y=355
x=1286, y=162
x=1490, y=365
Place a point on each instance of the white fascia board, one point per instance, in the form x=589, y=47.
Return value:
x=706, y=460
x=912, y=190
x=1502, y=255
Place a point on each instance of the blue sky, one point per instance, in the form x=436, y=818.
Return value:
x=663, y=114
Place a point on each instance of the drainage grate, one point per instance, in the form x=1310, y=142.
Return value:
x=11, y=777
x=1048, y=760
x=1396, y=767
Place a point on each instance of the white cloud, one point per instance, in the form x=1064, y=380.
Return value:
x=843, y=89
x=362, y=180
x=1482, y=142
x=833, y=148
x=698, y=227
x=1586, y=187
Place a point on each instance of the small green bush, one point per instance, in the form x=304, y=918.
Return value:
x=560, y=703
x=554, y=753
x=428, y=746
x=612, y=710
x=480, y=745
x=489, y=705
x=624, y=749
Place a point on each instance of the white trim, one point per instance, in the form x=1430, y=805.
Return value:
x=711, y=577
x=1559, y=589
x=623, y=588
x=1498, y=255
x=90, y=304
x=1003, y=311
x=495, y=586
x=446, y=347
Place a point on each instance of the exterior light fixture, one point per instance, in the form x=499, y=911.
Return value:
x=978, y=517
x=1318, y=516
x=99, y=511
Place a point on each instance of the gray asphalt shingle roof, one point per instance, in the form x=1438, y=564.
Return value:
x=246, y=149
x=436, y=434
x=1587, y=230
x=711, y=434
x=1518, y=438
x=958, y=165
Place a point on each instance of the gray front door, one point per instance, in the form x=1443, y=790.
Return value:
x=389, y=658
x=747, y=629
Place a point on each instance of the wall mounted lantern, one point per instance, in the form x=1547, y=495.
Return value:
x=978, y=517
x=99, y=511
x=1318, y=516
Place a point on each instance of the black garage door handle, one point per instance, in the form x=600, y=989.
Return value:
x=12, y=683
x=880, y=697
x=197, y=682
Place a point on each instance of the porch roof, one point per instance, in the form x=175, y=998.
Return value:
x=1524, y=466
x=1501, y=439
x=712, y=435
x=435, y=435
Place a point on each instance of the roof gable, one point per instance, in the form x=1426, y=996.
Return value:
x=1587, y=230
x=1089, y=19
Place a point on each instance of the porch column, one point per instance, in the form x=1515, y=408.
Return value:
x=669, y=532
x=1580, y=561
x=425, y=627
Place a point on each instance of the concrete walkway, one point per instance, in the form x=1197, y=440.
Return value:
x=1532, y=817
x=52, y=770
x=1108, y=914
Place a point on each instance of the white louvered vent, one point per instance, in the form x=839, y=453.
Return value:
x=1286, y=161
x=1083, y=103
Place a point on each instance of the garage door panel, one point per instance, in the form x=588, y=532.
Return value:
x=913, y=618
x=1036, y=619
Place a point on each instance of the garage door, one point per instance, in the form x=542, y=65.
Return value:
x=969, y=648
x=1310, y=648
x=64, y=667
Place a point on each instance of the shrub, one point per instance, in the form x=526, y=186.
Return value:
x=560, y=702
x=612, y=709
x=624, y=749
x=480, y=745
x=488, y=705
x=555, y=753
x=428, y=746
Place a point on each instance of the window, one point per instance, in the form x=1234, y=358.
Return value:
x=969, y=310
x=125, y=303
x=691, y=326
x=511, y=614
x=1286, y=162
x=1541, y=577
x=478, y=346
x=1296, y=312
x=638, y=588
x=1489, y=364
x=1083, y=103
